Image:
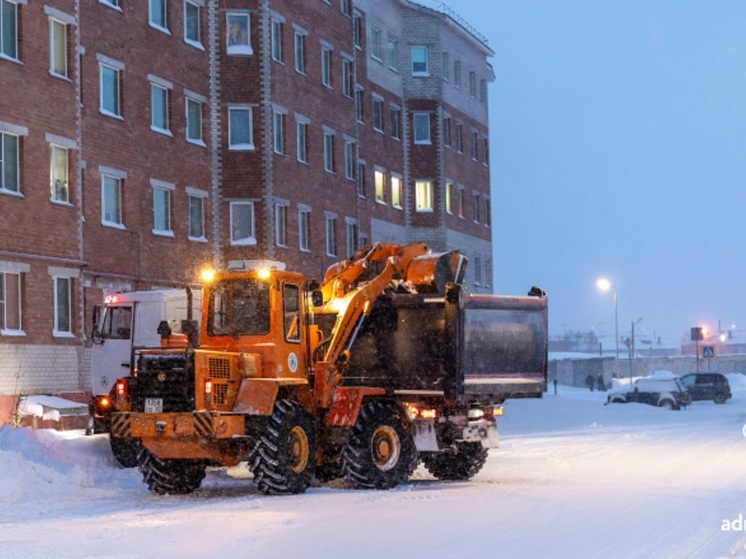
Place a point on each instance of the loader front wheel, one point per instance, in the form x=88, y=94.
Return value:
x=461, y=464
x=381, y=452
x=284, y=456
x=170, y=476
x=125, y=450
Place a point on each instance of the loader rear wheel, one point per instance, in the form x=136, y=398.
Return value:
x=284, y=456
x=125, y=450
x=381, y=452
x=464, y=463
x=169, y=476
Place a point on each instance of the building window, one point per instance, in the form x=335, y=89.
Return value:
x=348, y=83
x=461, y=202
x=487, y=213
x=328, y=152
x=361, y=180
x=395, y=122
x=474, y=145
x=158, y=11
x=192, y=25
x=457, y=73
x=276, y=40
x=304, y=228
x=396, y=191
x=485, y=151
x=159, y=108
x=110, y=90
x=242, y=223
x=111, y=201
x=162, y=211
x=301, y=138
x=62, y=306
x=359, y=105
x=419, y=61
x=447, y=131
x=488, y=272
x=194, y=121
x=380, y=180
x=9, y=166
x=349, y=160
x=10, y=303
x=449, y=191
x=196, y=216
x=423, y=196
x=475, y=208
x=240, y=128
x=57, y=48
x=238, y=33
x=459, y=138
x=357, y=31
x=483, y=91
x=278, y=134
x=477, y=270
x=331, y=235
x=346, y=7
x=376, y=46
x=9, y=29
x=58, y=175
x=377, y=114
x=393, y=54
x=421, y=128
x=326, y=66
x=473, y=84
x=300, y=52
x=445, y=65
x=281, y=212
x=351, y=237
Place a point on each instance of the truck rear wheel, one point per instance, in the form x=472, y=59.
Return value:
x=169, y=476
x=125, y=450
x=381, y=452
x=284, y=456
x=464, y=463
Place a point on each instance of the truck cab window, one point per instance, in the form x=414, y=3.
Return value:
x=291, y=311
x=117, y=323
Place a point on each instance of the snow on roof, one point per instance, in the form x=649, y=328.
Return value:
x=41, y=406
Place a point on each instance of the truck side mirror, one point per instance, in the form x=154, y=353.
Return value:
x=96, y=336
x=317, y=298
x=164, y=330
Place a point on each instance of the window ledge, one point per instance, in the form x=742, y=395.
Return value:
x=11, y=193
x=195, y=44
x=251, y=241
x=244, y=147
x=163, y=233
x=199, y=143
x=17, y=333
x=159, y=28
x=60, y=77
x=113, y=225
x=202, y=239
x=110, y=5
x=104, y=112
x=239, y=50
x=163, y=131
x=68, y=335
x=61, y=203
x=9, y=59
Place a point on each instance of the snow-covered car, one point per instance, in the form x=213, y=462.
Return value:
x=662, y=389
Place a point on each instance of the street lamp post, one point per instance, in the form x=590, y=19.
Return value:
x=604, y=285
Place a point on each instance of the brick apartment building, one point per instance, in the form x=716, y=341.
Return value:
x=141, y=141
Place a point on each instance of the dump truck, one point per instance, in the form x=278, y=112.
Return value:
x=124, y=322
x=386, y=362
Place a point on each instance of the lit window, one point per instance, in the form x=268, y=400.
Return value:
x=237, y=33
x=421, y=128
x=242, y=223
x=62, y=306
x=58, y=175
x=396, y=192
x=158, y=108
x=240, y=129
x=424, y=196
x=9, y=181
x=449, y=190
x=380, y=180
x=158, y=14
x=419, y=61
x=9, y=29
x=57, y=48
x=192, y=26
x=194, y=121
x=111, y=200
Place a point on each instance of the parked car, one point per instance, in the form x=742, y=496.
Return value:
x=662, y=389
x=707, y=386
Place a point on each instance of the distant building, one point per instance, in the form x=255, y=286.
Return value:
x=140, y=141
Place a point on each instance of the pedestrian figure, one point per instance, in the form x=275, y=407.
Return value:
x=600, y=383
x=589, y=382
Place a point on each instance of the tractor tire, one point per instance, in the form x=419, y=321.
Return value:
x=170, y=476
x=381, y=452
x=125, y=450
x=284, y=456
x=462, y=464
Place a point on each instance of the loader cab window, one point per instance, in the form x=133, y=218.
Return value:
x=117, y=323
x=239, y=308
x=291, y=312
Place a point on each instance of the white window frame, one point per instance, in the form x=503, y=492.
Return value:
x=377, y=111
x=326, y=66
x=195, y=5
x=199, y=195
x=115, y=180
x=192, y=99
x=379, y=179
x=420, y=68
x=6, y=139
x=474, y=145
x=281, y=223
x=62, y=309
x=457, y=74
x=58, y=48
x=238, y=33
x=233, y=112
x=392, y=54
x=278, y=131
x=376, y=43
x=472, y=84
x=331, y=233
x=3, y=28
x=275, y=38
x=301, y=138
x=347, y=78
x=163, y=89
x=250, y=239
x=397, y=191
x=329, y=150
x=395, y=122
x=448, y=194
x=445, y=66
x=359, y=112
x=54, y=179
x=351, y=229
x=422, y=126
x=299, y=50
x=12, y=271
x=361, y=178
x=423, y=196
x=158, y=15
x=161, y=193
x=304, y=228
x=112, y=82
x=475, y=207
x=357, y=30
x=349, y=158
x=459, y=138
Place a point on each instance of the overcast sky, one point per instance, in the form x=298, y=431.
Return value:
x=618, y=139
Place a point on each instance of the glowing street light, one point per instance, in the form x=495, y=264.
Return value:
x=604, y=284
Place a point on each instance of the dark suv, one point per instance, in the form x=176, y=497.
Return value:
x=707, y=386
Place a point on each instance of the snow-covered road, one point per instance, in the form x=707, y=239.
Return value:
x=573, y=478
